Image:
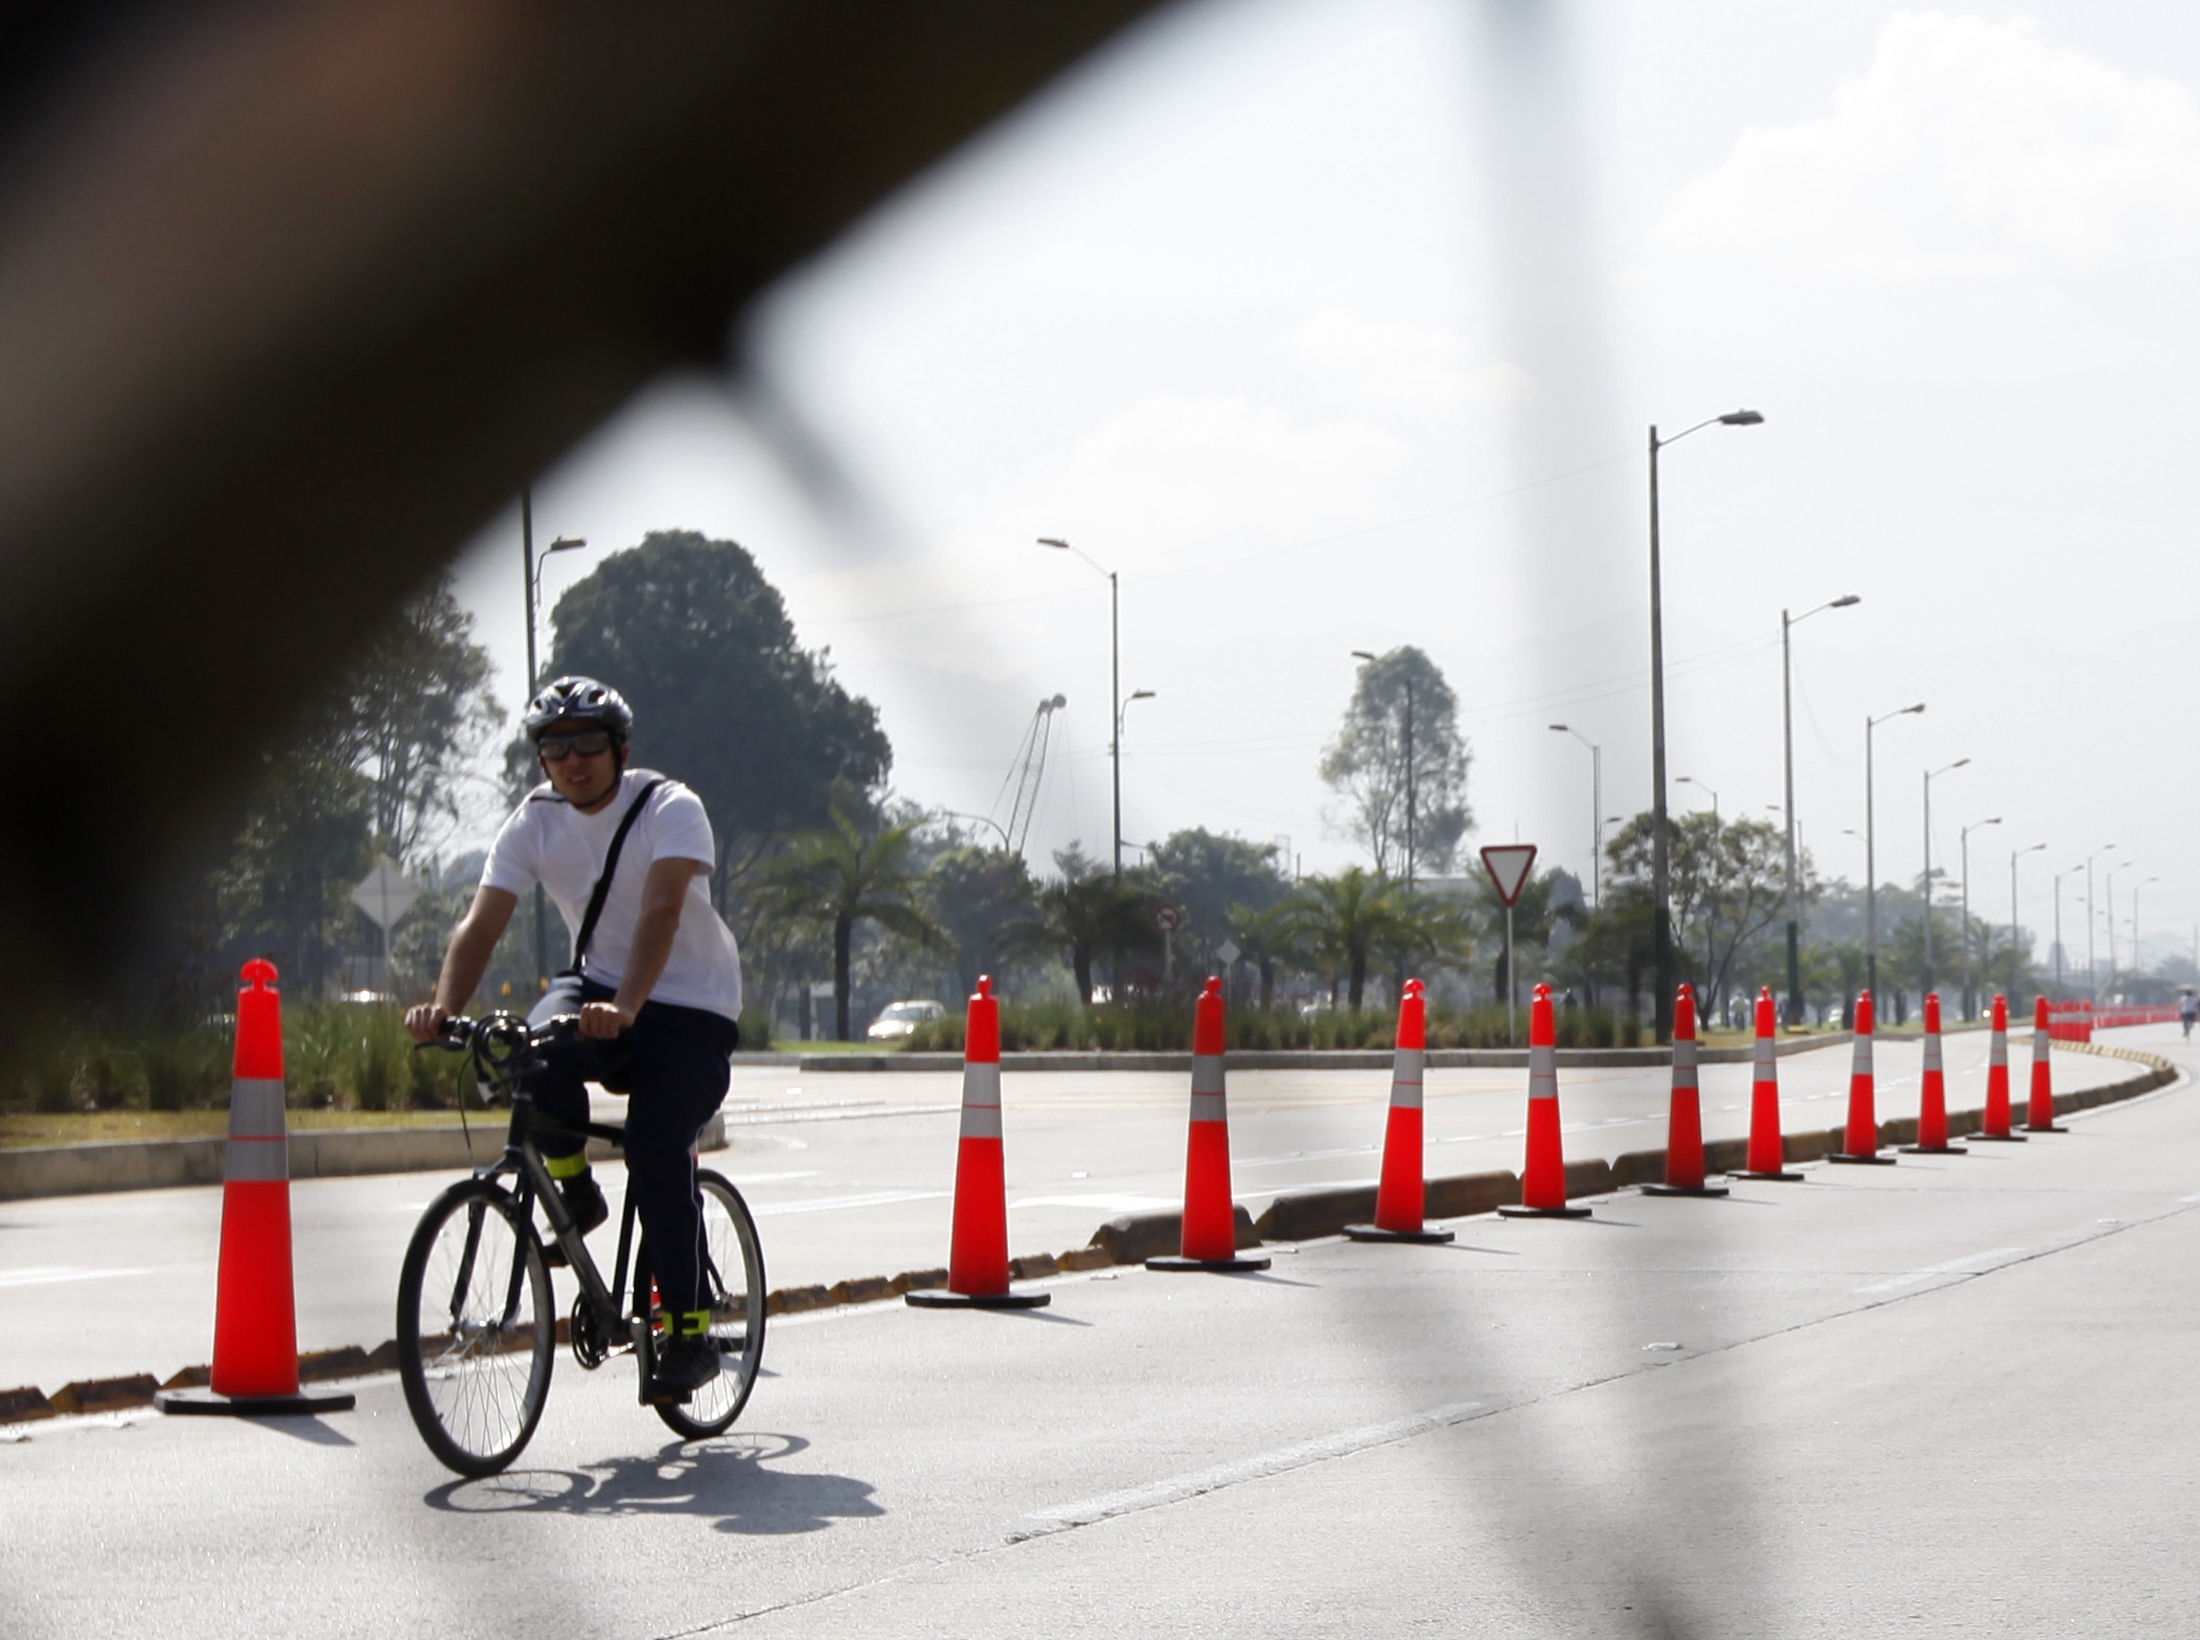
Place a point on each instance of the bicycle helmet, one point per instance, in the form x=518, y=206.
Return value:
x=566, y=700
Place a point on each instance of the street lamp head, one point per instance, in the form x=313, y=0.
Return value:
x=1561, y=729
x=1959, y=763
x=1993, y=822
x=1741, y=418
x=1143, y=694
x=564, y=543
x=1054, y=541
x=1844, y=601
x=1363, y=655
x=1907, y=710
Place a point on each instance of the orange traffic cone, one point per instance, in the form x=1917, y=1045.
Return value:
x=2041, y=1118
x=1932, y=1104
x=977, y=1266
x=1402, y=1194
x=255, y=1369
x=1996, y=1124
x=1684, y=1118
x=1767, y=1149
x=1543, y=1182
x=1861, y=1143
x=1209, y=1238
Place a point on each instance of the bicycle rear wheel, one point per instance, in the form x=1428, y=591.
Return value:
x=476, y=1337
x=733, y=1277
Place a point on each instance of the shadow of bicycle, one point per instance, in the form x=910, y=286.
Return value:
x=730, y=1481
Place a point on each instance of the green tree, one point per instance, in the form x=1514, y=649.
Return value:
x=411, y=715
x=850, y=871
x=987, y=902
x=725, y=700
x=1727, y=883
x=1401, y=696
x=307, y=839
x=1217, y=879
x=1089, y=913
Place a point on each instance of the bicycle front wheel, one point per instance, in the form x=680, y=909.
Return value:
x=733, y=1280
x=476, y=1338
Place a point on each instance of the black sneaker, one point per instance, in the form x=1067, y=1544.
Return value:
x=583, y=1199
x=684, y=1365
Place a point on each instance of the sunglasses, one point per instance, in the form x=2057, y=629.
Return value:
x=557, y=748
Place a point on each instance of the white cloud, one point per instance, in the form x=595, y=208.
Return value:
x=1400, y=366
x=1967, y=150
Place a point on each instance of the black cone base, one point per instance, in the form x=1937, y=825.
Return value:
x=1997, y=1139
x=1684, y=1190
x=1375, y=1232
x=2034, y=1127
x=1543, y=1212
x=1932, y=1150
x=939, y=1298
x=1783, y=1178
x=1220, y=1266
x=1861, y=1161
x=204, y=1403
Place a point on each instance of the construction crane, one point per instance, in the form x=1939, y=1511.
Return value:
x=1024, y=773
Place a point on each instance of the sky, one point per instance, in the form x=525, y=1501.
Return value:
x=1338, y=326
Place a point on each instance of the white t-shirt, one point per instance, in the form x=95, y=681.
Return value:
x=549, y=841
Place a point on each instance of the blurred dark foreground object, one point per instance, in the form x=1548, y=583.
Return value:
x=295, y=293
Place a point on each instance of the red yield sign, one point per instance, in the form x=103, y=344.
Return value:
x=1508, y=865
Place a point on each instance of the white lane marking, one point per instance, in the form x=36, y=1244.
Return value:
x=1105, y=1203
x=1303, y=1156
x=45, y=1275
x=1063, y=1516
x=1955, y=1266
x=809, y=1113
x=834, y=1204
x=2188, y=1200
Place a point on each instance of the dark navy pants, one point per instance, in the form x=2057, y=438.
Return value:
x=673, y=1065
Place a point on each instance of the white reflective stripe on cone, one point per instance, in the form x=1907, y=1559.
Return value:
x=1932, y=1051
x=255, y=1161
x=1997, y=1051
x=1209, y=1107
x=255, y=1108
x=2039, y=1043
x=1542, y=1072
x=1207, y=1073
x=1860, y=1060
x=1684, y=1062
x=1405, y=1079
x=1765, y=1058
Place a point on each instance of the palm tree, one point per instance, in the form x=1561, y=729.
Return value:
x=1092, y=912
x=1348, y=918
x=845, y=873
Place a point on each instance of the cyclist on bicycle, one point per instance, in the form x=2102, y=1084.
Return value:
x=657, y=988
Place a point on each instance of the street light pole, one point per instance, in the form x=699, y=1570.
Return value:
x=2060, y=984
x=2014, y=856
x=531, y=586
x=1871, y=854
x=1115, y=681
x=1660, y=847
x=2092, y=971
x=2108, y=886
x=1596, y=814
x=1691, y=780
x=1787, y=737
x=1930, y=776
x=1963, y=841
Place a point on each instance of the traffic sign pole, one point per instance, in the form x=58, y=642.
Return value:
x=1508, y=865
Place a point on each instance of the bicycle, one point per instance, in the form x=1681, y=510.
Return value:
x=475, y=1337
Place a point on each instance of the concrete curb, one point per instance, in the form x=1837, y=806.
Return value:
x=315, y=1153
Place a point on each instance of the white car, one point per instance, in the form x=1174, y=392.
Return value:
x=899, y=1019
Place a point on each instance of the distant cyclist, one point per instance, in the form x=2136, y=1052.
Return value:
x=2188, y=1010
x=657, y=986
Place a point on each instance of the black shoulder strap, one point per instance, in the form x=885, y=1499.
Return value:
x=610, y=866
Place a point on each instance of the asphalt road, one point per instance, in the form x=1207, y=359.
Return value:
x=851, y=1174
x=1949, y=1397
